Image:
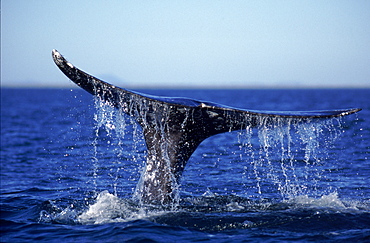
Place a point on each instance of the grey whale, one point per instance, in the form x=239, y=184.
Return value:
x=174, y=127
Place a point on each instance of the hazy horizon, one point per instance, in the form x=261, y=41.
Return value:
x=188, y=44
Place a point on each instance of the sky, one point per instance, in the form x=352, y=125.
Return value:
x=214, y=44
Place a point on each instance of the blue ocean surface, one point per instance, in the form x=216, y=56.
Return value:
x=70, y=166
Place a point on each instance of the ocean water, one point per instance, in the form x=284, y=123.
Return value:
x=69, y=169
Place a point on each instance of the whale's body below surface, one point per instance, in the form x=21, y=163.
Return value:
x=174, y=127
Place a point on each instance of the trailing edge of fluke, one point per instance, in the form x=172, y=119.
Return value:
x=174, y=127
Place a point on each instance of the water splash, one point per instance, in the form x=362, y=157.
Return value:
x=118, y=148
x=208, y=212
x=281, y=154
x=288, y=153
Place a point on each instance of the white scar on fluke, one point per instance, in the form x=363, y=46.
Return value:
x=174, y=127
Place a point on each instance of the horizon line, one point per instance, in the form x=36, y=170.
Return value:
x=275, y=86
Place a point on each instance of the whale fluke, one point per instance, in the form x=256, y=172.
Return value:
x=174, y=127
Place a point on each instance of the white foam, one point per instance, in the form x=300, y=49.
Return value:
x=330, y=200
x=234, y=206
x=326, y=202
x=108, y=208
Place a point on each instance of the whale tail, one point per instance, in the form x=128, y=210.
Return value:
x=174, y=127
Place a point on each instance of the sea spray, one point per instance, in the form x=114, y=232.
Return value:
x=282, y=154
x=289, y=154
x=117, y=146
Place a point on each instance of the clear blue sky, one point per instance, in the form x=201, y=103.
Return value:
x=188, y=43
